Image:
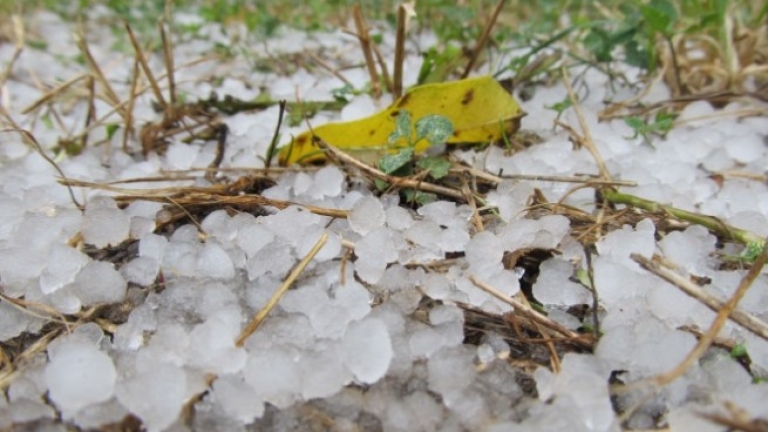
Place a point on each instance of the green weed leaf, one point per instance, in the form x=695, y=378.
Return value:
x=437, y=167
x=402, y=127
x=435, y=128
x=394, y=162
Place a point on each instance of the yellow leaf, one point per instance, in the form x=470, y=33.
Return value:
x=480, y=109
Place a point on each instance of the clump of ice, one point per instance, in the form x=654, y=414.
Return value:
x=366, y=215
x=544, y=233
x=555, y=287
x=79, y=375
x=652, y=348
x=104, y=224
x=327, y=182
x=155, y=394
x=274, y=374
x=510, y=198
x=141, y=271
x=581, y=384
x=621, y=243
x=211, y=344
x=99, y=282
x=367, y=349
x=64, y=263
x=236, y=398
x=374, y=251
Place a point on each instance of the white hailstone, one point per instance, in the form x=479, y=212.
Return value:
x=366, y=215
x=104, y=224
x=99, y=282
x=367, y=349
x=79, y=375
x=156, y=395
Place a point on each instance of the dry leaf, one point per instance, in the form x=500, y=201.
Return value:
x=480, y=109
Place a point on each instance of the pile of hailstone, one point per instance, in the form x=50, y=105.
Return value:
x=350, y=347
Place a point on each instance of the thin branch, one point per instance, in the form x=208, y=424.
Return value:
x=746, y=320
x=259, y=318
x=483, y=39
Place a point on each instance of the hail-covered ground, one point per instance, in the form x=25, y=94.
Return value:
x=355, y=345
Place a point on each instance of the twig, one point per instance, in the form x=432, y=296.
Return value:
x=257, y=320
x=109, y=92
x=145, y=67
x=587, y=137
x=275, y=137
x=135, y=77
x=722, y=317
x=483, y=39
x=18, y=30
x=710, y=222
x=32, y=142
x=220, y=131
x=404, y=11
x=581, y=340
x=51, y=94
x=400, y=182
x=365, y=44
x=588, y=180
x=322, y=63
x=169, y=68
x=383, y=67
x=212, y=196
x=746, y=320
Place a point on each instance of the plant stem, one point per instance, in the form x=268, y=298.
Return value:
x=710, y=222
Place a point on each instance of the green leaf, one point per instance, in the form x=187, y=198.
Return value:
x=753, y=250
x=419, y=197
x=437, y=167
x=402, y=127
x=583, y=276
x=561, y=106
x=739, y=351
x=599, y=44
x=659, y=16
x=663, y=122
x=380, y=184
x=394, y=162
x=637, y=124
x=341, y=93
x=435, y=128
x=636, y=55
x=111, y=129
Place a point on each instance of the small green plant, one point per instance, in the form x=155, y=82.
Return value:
x=739, y=351
x=436, y=129
x=661, y=124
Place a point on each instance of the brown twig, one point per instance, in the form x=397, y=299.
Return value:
x=483, y=39
x=746, y=320
x=18, y=30
x=323, y=64
x=259, y=318
x=404, y=11
x=544, y=178
x=365, y=44
x=581, y=340
x=145, y=67
x=216, y=195
x=586, y=139
x=169, y=68
x=722, y=317
x=109, y=92
x=128, y=127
